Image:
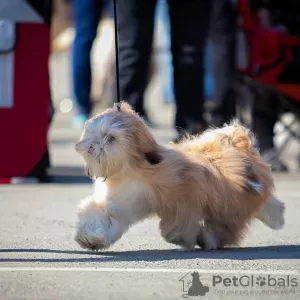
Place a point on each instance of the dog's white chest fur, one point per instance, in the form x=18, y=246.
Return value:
x=123, y=199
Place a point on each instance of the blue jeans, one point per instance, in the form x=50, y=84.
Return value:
x=87, y=15
x=165, y=58
x=209, y=81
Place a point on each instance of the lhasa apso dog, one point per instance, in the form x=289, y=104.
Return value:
x=205, y=190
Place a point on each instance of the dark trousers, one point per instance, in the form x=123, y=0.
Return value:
x=189, y=28
x=223, y=38
x=190, y=20
x=264, y=117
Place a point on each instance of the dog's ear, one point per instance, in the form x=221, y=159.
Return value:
x=123, y=106
x=153, y=158
x=117, y=106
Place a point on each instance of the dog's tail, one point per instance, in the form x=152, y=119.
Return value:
x=244, y=140
x=272, y=214
x=247, y=171
x=232, y=134
x=240, y=137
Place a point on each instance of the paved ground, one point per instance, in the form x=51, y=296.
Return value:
x=40, y=260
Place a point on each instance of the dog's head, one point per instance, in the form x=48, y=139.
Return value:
x=116, y=141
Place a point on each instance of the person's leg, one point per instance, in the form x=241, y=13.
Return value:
x=104, y=61
x=87, y=14
x=165, y=58
x=264, y=117
x=135, y=20
x=109, y=9
x=223, y=33
x=189, y=30
x=265, y=114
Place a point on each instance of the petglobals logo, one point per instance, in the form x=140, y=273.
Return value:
x=249, y=281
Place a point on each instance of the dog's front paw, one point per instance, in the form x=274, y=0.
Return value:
x=91, y=242
x=90, y=237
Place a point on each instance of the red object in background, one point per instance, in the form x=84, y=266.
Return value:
x=269, y=52
x=24, y=125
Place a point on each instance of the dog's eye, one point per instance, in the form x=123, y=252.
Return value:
x=110, y=139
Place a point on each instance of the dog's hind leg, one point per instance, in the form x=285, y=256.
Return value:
x=185, y=238
x=207, y=239
x=272, y=214
x=217, y=235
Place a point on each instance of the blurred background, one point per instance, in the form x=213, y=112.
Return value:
x=239, y=61
x=159, y=94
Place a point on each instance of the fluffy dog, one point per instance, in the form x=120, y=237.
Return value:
x=205, y=190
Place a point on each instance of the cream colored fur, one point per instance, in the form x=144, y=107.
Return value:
x=205, y=190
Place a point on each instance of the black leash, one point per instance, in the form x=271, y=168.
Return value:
x=117, y=51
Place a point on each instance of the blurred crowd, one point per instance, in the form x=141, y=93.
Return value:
x=198, y=61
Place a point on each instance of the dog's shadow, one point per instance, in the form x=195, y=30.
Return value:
x=247, y=253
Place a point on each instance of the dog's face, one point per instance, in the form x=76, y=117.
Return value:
x=115, y=141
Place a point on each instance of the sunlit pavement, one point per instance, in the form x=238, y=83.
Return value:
x=40, y=260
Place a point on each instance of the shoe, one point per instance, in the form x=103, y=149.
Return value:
x=79, y=121
x=270, y=156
